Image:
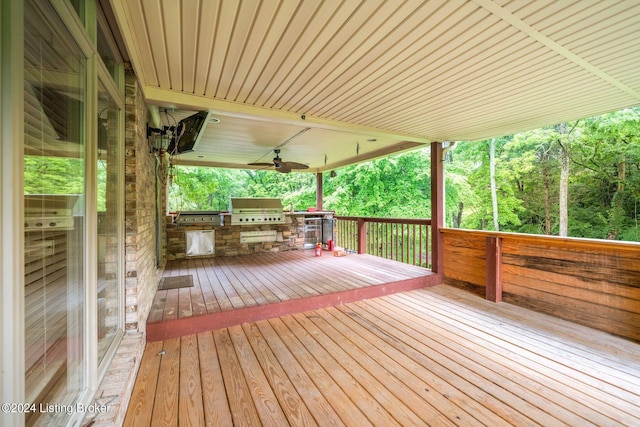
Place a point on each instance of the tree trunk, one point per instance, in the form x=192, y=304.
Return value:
x=494, y=193
x=564, y=181
x=622, y=173
x=456, y=219
x=547, y=201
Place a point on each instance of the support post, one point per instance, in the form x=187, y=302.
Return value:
x=319, y=191
x=437, y=208
x=494, y=269
x=362, y=236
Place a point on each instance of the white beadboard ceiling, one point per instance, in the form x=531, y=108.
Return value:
x=336, y=82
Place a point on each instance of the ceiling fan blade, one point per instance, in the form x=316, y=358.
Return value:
x=283, y=167
x=295, y=165
x=260, y=164
x=280, y=166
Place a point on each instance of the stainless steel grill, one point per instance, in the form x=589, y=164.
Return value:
x=49, y=211
x=255, y=210
x=199, y=218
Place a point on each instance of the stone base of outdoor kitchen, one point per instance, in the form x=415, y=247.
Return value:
x=289, y=236
x=231, y=291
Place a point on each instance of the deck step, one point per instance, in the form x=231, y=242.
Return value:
x=230, y=291
x=173, y=328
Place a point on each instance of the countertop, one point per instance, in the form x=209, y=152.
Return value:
x=302, y=213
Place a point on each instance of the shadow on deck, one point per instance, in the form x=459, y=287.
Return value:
x=230, y=291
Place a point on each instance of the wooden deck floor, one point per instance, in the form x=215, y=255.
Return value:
x=433, y=356
x=230, y=291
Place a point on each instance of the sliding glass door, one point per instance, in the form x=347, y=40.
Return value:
x=55, y=97
x=73, y=215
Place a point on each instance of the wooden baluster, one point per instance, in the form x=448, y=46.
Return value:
x=420, y=247
x=413, y=240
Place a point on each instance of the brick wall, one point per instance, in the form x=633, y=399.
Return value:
x=140, y=210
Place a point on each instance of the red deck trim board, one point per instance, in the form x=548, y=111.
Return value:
x=190, y=325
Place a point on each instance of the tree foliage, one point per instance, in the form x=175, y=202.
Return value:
x=397, y=186
x=604, y=178
x=53, y=175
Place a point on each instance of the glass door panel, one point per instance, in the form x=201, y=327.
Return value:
x=54, y=188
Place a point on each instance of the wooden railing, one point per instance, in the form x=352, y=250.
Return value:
x=400, y=239
x=591, y=282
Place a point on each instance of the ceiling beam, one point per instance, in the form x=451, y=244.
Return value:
x=372, y=155
x=186, y=101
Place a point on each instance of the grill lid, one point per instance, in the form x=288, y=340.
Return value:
x=255, y=211
x=199, y=217
x=255, y=205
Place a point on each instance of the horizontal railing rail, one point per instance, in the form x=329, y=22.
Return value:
x=400, y=239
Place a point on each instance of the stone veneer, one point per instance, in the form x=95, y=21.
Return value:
x=140, y=211
x=227, y=238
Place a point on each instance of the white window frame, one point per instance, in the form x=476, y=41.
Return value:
x=11, y=208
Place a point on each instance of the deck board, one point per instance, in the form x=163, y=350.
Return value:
x=241, y=405
x=303, y=389
x=165, y=407
x=432, y=356
x=190, y=402
x=382, y=359
x=215, y=404
x=263, y=396
x=389, y=390
x=338, y=398
x=472, y=371
x=142, y=401
x=296, y=411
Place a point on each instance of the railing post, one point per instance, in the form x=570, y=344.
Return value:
x=437, y=208
x=494, y=269
x=362, y=236
x=319, y=195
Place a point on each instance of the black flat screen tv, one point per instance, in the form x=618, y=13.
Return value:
x=188, y=133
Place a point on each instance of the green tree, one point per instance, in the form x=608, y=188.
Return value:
x=53, y=175
x=293, y=189
x=200, y=188
x=471, y=161
x=609, y=157
x=396, y=186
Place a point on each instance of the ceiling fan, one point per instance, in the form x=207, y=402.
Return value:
x=281, y=165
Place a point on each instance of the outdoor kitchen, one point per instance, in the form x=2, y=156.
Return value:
x=252, y=225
